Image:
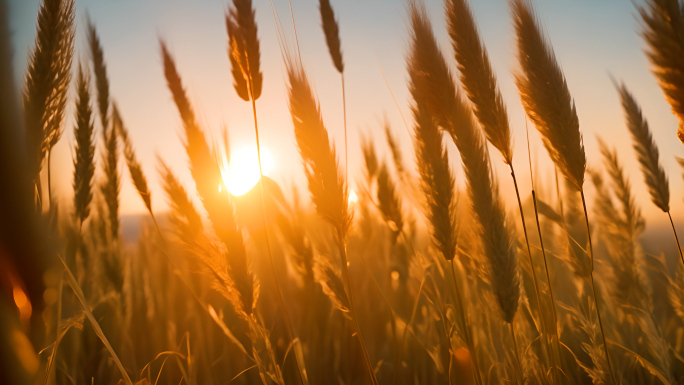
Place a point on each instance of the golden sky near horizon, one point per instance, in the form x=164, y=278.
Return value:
x=591, y=41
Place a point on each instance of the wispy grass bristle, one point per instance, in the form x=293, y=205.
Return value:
x=134, y=167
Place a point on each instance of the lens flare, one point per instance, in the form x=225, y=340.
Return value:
x=241, y=174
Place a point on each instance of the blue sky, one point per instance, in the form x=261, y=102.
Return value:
x=592, y=39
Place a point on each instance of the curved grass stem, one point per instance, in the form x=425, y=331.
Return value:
x=301, y=369
x=593, y=289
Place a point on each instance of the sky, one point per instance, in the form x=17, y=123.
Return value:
x=591, y=39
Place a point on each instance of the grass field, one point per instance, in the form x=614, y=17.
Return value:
x=411, y=277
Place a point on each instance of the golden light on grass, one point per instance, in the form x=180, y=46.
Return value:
x=353, y=198
x=22, y=302
x=241, y=174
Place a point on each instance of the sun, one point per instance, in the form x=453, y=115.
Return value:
x=242, y=172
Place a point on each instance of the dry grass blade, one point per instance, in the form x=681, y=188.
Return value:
x=646, y=150
x=370, y=158
x=209, y=183
x=478, y=78
x=134, y=167
x=47, y=79
x=545, y=96
x=184, y=214
x=96, y=326
x=431, y=81
x=243, y=50
x=332, y=34
x=84, y=166
x=327, y=187
x=663, y=30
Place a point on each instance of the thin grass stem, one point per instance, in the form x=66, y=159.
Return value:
x=593, y=289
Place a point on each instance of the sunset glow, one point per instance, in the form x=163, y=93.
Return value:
x=242, y=172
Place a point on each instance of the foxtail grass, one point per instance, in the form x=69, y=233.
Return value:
x=433, y=84
x=331, y=30
x=548, y=103
x=648, y=157
x=327, y=187
x=47, y=82
x=479, y=83
x=84, y=164
x=134, y=167
x=663, y=31
x=245, y=59
x=209, y=184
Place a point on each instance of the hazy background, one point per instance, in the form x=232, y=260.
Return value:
x=592, y=39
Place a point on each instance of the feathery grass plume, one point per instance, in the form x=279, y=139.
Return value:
x=47, y=79
x=185, y=216
x=478, y=78
x=327, y=187
x=647, y=154
x=647, y=151
x=548, y=103
x=389, y=202
x=111, y=186
x=84, y=165
x=437, y=181
x=397, y=156
x=292, y=228
x=332, y=34
x=545, y=96
x=134, y=167
x=432, y=81
x=209, y=183
x=663, y=30
x=100, y=69
x=370, y=158
x=243, y=50
x=329, y=278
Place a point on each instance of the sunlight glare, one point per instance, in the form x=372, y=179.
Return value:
x=353, y=198
x=242, y=173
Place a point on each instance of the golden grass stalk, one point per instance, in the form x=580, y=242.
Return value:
x=100, y=69
x=545, y=96
x=432, y=81
x=134, y=167
x=96, y=326
x=663, y=31
x=244, y=56
x=328, y=189
x=389, y=202
x=209, y=183
x=370, y=158
x=332, y=34
x=185, y=216
x=397, y=156
x=480, y=85
x=547, y=101
x=84, y=165
x=438, y=186
x=477, y=77
x=111, y=186
x=331, y=30
x=243, y=50
x=648, y=157
x=328, y=276
x=47, y=81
